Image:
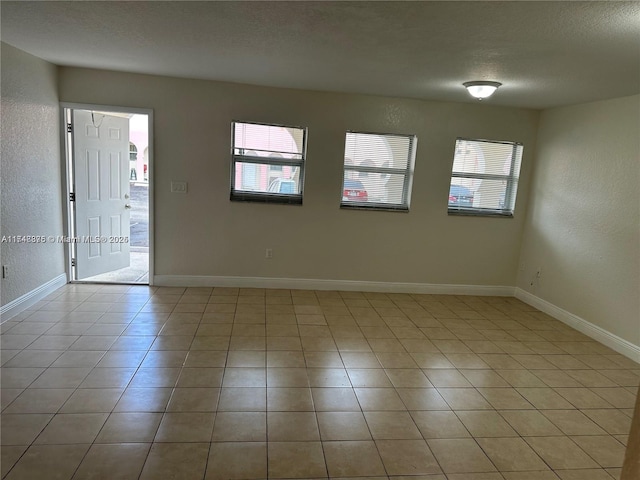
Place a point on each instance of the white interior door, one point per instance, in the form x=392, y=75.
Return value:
x=101, y=169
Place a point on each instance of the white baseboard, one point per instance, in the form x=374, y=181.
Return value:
x=20, y=304
x=618, y=344
x=317, y=284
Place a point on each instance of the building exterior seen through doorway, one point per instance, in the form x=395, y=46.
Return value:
x=108, y=178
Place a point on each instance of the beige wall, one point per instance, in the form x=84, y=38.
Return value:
x=583, y=222
x=31, y=198
x=203, y=233
x=581, y=226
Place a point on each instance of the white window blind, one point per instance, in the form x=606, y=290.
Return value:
x=267, y=162
x=484, y=177
x=378, y=170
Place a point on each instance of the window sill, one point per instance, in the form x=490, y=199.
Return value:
x=266, y=198
x=479, y=213
x=381, y=207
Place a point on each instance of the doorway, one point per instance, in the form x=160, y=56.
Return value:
x=108, y=153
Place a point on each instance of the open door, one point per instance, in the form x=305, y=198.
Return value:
x=102, y=197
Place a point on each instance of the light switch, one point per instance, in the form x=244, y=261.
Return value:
x=178, y=187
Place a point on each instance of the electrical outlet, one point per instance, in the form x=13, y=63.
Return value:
x=5, y=271
x=178, y=187
x=268, y=253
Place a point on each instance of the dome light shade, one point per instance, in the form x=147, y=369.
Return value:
x=481, y=89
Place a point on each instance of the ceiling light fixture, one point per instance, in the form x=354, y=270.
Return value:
x=481, y=89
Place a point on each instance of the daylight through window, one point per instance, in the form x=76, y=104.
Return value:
x=267, y=162
x=378, y=170
x=484, y=177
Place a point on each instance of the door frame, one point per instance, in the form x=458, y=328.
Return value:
x=67, y=177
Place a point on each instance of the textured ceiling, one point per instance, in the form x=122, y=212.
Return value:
x=545, y=53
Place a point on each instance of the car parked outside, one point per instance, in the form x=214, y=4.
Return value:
x=460, y=196
x=354, y=191
x=281, y=185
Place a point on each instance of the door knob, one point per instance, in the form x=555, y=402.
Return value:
x=127, y=206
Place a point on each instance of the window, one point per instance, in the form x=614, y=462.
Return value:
x=378, y=170
x=133, y=159
x=267, y=163
x=484, y=177
x=133, y=151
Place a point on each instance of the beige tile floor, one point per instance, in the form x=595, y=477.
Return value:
x=127, y=382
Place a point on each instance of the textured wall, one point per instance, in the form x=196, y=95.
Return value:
x=583, y=222
x=203, y=233
x=31, y=195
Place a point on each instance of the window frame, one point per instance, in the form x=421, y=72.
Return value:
x=511, y=181
x=267, y=197
x=407, y=172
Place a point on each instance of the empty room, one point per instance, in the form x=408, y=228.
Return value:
x=320, y=240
